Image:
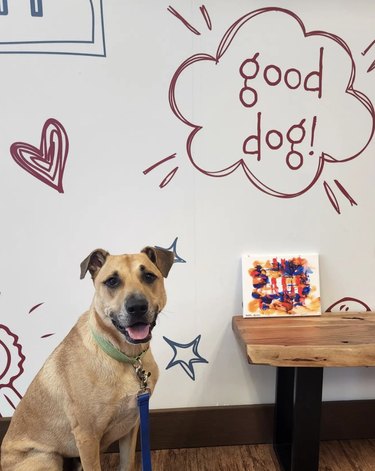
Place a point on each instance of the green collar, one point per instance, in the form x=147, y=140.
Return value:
x=114, y=352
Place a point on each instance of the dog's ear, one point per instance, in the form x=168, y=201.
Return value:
x=162, y=258
x=93, y=263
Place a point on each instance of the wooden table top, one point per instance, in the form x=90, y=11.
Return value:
x=332, y=339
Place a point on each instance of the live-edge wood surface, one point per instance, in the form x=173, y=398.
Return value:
x=329, y=340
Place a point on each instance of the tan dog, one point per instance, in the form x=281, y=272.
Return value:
x=82, y=399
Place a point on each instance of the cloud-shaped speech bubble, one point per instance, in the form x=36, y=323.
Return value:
x=275, y=100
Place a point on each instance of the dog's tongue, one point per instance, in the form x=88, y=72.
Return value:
x=138, y=331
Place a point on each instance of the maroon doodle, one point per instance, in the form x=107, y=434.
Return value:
x=148, y=170
x=345, y=193
x=12, y=368
x=372, y=66
x=298, y=143
x=46, y=163
x=168, y=178
x=35, y=307
x=206, y=17
x=170, y=175
x=182, y=19
x=45, y=336
x=332, y=198
x=348, y=304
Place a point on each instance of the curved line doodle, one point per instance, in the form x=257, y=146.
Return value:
x=206, y=16
x=348, y=303
x=183, y=21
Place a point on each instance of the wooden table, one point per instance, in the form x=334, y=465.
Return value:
x=301, y=348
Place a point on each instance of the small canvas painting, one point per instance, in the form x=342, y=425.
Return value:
x=280, y=285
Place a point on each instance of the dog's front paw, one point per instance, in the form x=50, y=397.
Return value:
x=77, y=466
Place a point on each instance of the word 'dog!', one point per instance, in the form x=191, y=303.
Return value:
x=274, y=140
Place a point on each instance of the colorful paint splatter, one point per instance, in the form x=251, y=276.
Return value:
x=280, y=285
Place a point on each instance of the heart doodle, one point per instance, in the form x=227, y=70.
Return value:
x=46, y=163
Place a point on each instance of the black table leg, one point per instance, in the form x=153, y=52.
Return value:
x=283, y=421
x=297, y=417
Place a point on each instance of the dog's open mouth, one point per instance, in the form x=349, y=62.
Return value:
x=139, y=332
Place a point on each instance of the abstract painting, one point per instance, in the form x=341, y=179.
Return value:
x=280, y=285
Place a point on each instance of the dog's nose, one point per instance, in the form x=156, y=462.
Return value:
x=136, y=305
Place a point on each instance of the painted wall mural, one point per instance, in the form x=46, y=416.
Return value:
x=265, y=114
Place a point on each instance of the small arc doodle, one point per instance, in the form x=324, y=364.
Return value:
x=342, y=305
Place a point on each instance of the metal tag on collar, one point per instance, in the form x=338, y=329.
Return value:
x=142, y=376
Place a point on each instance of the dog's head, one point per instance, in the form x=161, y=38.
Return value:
x=129, y=289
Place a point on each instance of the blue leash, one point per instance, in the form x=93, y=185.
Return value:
x=143, y=394
x=143, y=406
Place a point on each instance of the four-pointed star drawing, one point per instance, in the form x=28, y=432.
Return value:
x=173, y=248
x=187, y=366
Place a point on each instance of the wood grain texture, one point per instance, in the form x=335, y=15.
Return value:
x=338, y=340
x=334, y=456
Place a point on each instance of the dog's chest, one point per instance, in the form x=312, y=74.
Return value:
x=125, y=417
x=124, y=412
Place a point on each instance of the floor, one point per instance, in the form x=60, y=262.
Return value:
x=351, y=455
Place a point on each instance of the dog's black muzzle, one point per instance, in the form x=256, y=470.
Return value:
x=138, y=322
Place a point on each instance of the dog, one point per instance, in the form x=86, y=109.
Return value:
x=84, y=398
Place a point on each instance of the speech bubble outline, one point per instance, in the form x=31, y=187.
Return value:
x=224, y=44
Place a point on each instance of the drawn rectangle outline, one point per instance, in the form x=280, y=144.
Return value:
x=97, y=30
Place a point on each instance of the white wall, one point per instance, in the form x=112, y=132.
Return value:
x=110, y=92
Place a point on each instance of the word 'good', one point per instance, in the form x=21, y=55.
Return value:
x=274, y=76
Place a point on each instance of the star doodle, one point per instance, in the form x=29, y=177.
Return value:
x=186, y=366
x=173, y=248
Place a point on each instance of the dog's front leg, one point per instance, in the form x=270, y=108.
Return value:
x=127, y=449
x=89, y=450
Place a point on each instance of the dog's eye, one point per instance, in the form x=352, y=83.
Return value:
x=149, y=277
x=112, y=282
